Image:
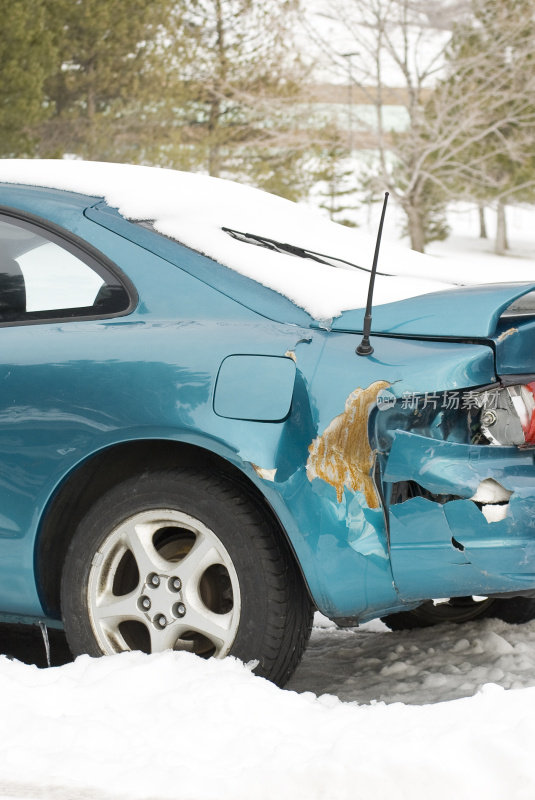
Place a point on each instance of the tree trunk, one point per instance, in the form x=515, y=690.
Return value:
x=416, y=229
x=91, y=109
x=214, y=120
x=214, y=148
x=482, y=222
x=500, y=245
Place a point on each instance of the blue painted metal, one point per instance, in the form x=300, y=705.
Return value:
x=267, y=303
x=24, y=619
x=515, y=346
x=350, y=558
x=73, y=389
x=449, y=549
x=463, y=312
x=468, y=311
x=254, y=388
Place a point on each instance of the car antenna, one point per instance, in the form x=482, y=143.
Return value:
x=365, y=348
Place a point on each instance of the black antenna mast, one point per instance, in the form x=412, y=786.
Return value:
x=365, y=348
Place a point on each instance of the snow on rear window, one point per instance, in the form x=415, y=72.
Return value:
x=193, y=209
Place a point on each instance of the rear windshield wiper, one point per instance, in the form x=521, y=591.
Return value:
x=294, y=250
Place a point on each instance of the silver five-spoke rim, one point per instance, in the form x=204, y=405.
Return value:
x=162, y=580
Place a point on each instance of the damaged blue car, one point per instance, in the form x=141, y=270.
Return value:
x=193, y=455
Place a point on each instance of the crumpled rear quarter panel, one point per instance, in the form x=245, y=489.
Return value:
x=341, y=539
x=443, y=549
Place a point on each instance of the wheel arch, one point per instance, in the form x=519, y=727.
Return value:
x=106, y=469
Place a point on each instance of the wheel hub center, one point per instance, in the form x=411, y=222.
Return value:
x=160, y=599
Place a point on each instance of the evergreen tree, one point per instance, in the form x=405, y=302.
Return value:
x=233, y=110
x=105, y=75
x=336, y=176
x=26, y=58
x=208, y=85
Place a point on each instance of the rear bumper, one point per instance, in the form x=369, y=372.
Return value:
x=444, y=548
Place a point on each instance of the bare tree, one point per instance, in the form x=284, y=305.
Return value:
x=504, y=29
x=452, y=107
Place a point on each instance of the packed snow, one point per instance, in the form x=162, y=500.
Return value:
x=369, y=715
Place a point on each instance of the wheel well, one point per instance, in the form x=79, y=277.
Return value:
x=102, y=472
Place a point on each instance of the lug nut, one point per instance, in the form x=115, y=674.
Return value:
x=175, y=584
x=144, y=602
x=160, y=621
x=179, y=609
x=154, y=579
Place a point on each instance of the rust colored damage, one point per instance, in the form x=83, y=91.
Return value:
x=505, y=334
x=265, y=474
x=342, y=455
x=291, y=354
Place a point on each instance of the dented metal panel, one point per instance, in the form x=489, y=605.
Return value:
x=342, y=539
x=342, y=455
x=443, y=543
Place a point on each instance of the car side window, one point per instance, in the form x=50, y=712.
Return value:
x=42, y=278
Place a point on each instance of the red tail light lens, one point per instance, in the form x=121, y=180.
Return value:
x=529, y=426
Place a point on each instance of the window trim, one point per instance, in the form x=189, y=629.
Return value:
x=86, y=253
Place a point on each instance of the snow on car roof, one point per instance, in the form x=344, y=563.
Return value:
x=194, y=208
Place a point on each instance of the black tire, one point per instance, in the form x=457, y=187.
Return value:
x=239, y=578
x=458, y=610
x=515, y=610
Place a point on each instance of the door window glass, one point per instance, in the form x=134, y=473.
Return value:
x=41, y=278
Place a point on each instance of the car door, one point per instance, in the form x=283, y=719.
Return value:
x=53, y=293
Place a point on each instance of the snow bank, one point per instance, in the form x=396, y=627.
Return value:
x=193, y=209
x=174, y=726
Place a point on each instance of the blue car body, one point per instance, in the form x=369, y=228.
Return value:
x=204, y=358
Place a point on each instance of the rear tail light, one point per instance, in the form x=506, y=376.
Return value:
x=528, y=423
x=508, y=415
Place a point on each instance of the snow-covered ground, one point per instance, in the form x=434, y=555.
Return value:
x=364, y=718
x=463, y=248
x=371, y=664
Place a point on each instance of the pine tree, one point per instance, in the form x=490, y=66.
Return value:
x=105, y=75
x=336, y=177
x=208, y=85
x=233, y=110
x=26, y=57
